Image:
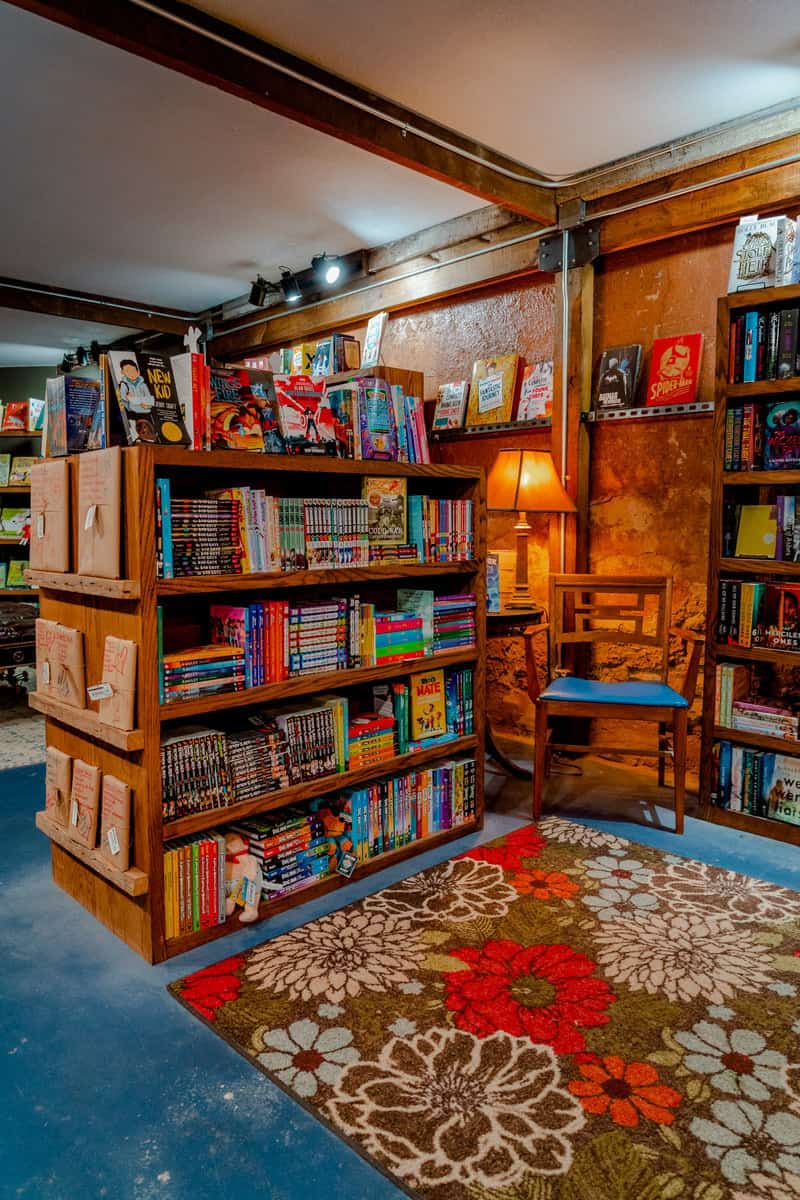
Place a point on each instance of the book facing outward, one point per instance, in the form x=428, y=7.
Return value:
x=617, y=377
x=60, y=663
x=58, y=785
x=84, y=802
x=99, y=505
x=536, y=392
x=21, y=465
x=373, y=340
x=119, y=675
x=451, y=405
x=5, y=469
x=492, y=390
x=675, y=369
x=387, y=510
x=758, y=528
x=115, y=822
x=148, y=398
x=428, y=711
x=50, y=515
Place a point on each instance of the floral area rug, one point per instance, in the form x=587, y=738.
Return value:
x=557, y=1015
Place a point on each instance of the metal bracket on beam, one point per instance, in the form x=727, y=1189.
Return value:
x=583, y=247
x=571, y=213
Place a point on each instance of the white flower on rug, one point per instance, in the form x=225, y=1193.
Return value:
x=781, y=988
x=737, y=1061
x=330, y=1011
x=303, y=1055
x=557, y=830
x=402, y=1027
x=698, y=887
x=449, y=1108
x=463, y=889
x=742, y=1140
x=616, y=870
x=784, y=1186
x=339, y=955
x=682, y=957
x=613, y=904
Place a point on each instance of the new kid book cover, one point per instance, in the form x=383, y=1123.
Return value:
x=428, y=715
x=148, y=398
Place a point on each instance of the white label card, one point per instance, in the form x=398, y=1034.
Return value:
x=73, y=813
x=490, y=393
x=91, y=516
x=45, y=671
x=100, y=691
x=40, y=525
x=113, y=840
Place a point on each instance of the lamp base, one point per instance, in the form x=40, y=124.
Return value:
x=520, y=599
x=520, y=596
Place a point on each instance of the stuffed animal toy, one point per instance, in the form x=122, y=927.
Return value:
x=242, y=878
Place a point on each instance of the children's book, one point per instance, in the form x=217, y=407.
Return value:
x=15, y=524
x=492, y=582
x=451, y=405
x=302, y=358
x=21, y=468
x=377, y=420
x=492, y=390
x=148, y=398
x=617, y=378
x=74, y=416
x=15, y=577
x=781, y=787
x=420, y=602
x=343, y=401
x=373, y=340
x=304, y=414
x=758, y=529
x=428, y=713
x=387, y=510
x=15, y=417
x=536, y=392
x=235, y=418
x=3, y=574
x=782, y=434
x=35, y=414
x=675, y=369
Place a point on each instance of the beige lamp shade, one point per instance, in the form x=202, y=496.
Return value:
x=526, y=481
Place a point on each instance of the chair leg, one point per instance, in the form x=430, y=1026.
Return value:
x=680, y=723
x=539, y=757
x=662, y=729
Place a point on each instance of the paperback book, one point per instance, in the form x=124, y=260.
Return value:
x=536, y=392
x=674, y=369
x=147, y=397
x=617, y=378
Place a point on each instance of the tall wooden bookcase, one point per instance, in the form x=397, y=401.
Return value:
x=742, y=487
x=132, y=903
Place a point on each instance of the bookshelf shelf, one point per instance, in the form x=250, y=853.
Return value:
x=759, y=566
x=759, y=741
x=723, y=490
x=18, y=434
x=128, y=608
x=133, y=882
x=305, y=685
x=14, y=489
x=698, y=408
x=18, y=592
x=204, y=584
x=86, y=585
x=317, y=787
x=87, y=722
x=271, y=908
x=457, y=435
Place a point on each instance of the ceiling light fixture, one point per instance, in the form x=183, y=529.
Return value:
x=327, y=269
x=291, y=289
x=258, y=291
x=81, y=357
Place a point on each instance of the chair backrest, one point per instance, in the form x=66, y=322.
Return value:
x=624, y=609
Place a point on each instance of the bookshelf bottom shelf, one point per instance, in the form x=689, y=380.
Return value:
x=270, y=908
x=749, y=823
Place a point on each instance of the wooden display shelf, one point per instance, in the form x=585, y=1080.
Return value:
x=305, y=685
x=759, y=478
x=86, y=585
x=760, y=741
x=18, y=592
x=763, y=387
x=749, y=823
x=786, y=658
x=488, y=430
x=133, y=881
x=294, y=464
x=271, y=908
x=318, y=787
x=697, y=408
x=759, y=566
x=87, y=721
x=19, y=434
x=201, y=584
x=14, y=488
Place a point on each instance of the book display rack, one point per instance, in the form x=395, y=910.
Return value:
x=750, y=741
x=167, y=614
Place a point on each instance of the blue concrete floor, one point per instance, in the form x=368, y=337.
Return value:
x=113, y=1090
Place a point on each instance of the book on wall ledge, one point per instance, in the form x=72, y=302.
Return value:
x=451, y=405
x=492, y=390
x=373, y=340
x=617, y=378
x=675, y=369
x=536, y=392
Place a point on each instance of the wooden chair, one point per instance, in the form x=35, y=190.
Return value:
x=586, y=610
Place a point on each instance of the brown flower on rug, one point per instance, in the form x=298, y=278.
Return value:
x=557, y=1015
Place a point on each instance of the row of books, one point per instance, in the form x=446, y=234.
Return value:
x=763, y=345
x=453, y=622
x=735, y=706
x=16, y=469
x=296, y=846
x=21, y=416
x=762, y=435
x=12, y=573
x=770, y=531
x=757, y=782
x=206, y=768
x=758, y=614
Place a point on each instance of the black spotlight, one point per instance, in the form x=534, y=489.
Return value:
x=95, y=352
x=290, y=287
x=327, y=269
x=81, y=357
x=66, y=364
x=258, y=291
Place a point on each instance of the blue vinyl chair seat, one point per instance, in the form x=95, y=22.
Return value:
x=595, y=691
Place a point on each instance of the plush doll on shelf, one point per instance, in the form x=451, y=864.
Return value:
x=242, y=878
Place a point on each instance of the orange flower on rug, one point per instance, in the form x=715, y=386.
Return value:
x=560, y=1014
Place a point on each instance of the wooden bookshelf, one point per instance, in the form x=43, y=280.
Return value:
x=726, y=486
x=17, y=443
x=128, y=609
x=133, y=882
x=14, y=489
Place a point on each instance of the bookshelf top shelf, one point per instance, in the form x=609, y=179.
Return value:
x=758, y=478
x=760, y=297
x=244, y=460
x=763, y=387
x=205, y=584
x=760, y=741
x=759, y=566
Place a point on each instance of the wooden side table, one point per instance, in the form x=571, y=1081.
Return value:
x=509, y=623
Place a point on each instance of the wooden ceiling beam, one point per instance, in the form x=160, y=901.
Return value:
x=490, y=221
x=25, y=296
x=193, y=43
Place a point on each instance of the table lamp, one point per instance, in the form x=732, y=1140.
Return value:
x=524, y=481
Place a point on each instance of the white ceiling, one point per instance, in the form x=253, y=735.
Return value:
x=37, y=340
x=560, y=87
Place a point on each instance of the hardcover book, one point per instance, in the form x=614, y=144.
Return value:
x=115, y=822
x=21, y=465
x=675, y=369
x=75, y=416
x=15, y=577
x=377, y=420
x=148, y=398
x=428, y=713
x=451, y=405
x=84, y=802
x=387, y=510
x=536, y=392
x=781, y=787
x=304, y=414
x=492, y=390
x=758, y=528
x=235, y=417
x=15, y=417
x=343, y=401
x=782, y=434
x=15, y=525
x=761, y=254
x=617, y=378
x=373, y=340
x=50, y=522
